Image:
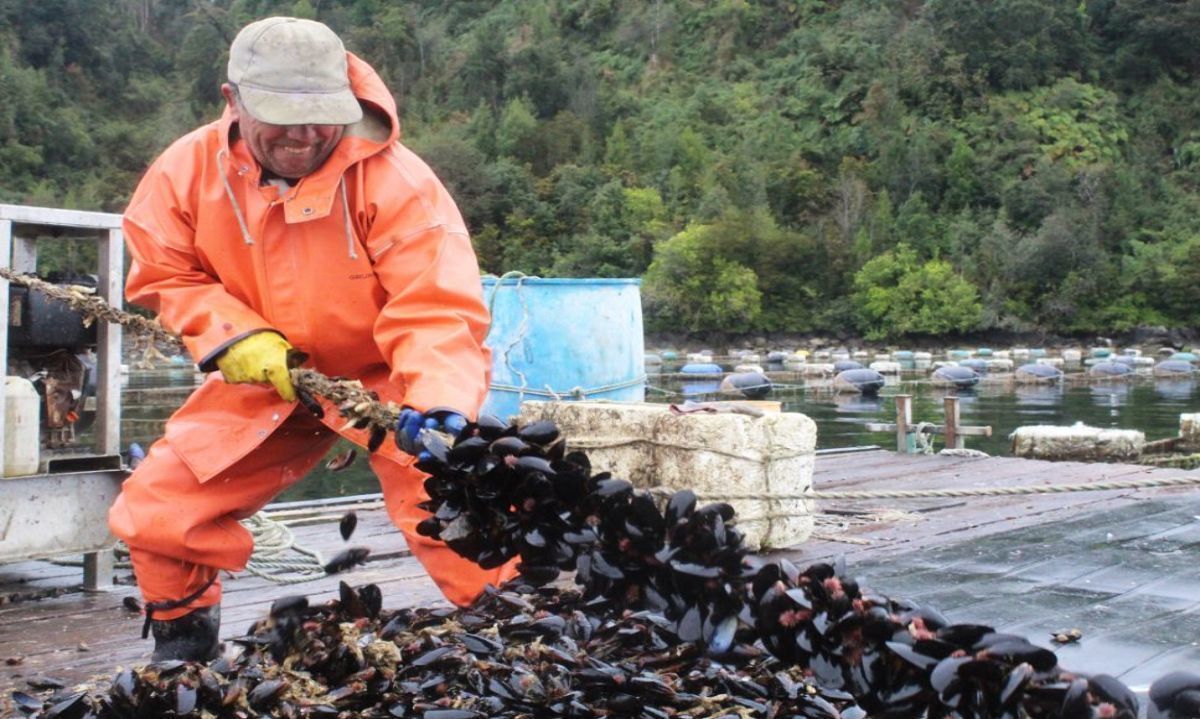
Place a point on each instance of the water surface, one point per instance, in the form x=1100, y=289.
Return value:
x=1144, y=403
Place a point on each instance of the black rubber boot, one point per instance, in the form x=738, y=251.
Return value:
x=192, y=637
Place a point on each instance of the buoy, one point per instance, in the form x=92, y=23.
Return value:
x=752, y=385
x=861, y=380
x=1110, y=369
x=1174, y=368
x=955, y=376
x=702, y=368
x=1038, y=373
x=980, y=366
x=885, y=367
x=22, y=421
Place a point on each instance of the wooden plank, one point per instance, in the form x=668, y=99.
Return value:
x=903, y=422
x=953, y=420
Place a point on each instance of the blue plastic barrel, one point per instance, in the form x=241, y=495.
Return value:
x=564, y=338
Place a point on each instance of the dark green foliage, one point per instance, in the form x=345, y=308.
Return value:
x=927, y=166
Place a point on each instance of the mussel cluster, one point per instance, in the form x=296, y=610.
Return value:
x=502, y=491
x=672, y=619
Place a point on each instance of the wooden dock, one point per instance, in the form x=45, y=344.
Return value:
x=1121, y=565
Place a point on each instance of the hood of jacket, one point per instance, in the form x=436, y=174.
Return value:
x=312, y=197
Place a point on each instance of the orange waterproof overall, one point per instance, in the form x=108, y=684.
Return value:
x=365, y=265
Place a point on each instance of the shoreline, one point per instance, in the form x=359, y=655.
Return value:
x=1147, y=338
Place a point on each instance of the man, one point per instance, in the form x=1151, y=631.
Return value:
x=296, y=220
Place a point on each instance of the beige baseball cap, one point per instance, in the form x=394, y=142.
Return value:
x=291, y=71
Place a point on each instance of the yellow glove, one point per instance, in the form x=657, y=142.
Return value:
x=261, y=357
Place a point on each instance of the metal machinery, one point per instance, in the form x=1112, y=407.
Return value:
x=62, y=509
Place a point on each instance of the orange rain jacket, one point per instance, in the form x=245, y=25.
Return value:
x=365, y=265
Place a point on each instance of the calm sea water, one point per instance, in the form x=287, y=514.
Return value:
x=1144, y=403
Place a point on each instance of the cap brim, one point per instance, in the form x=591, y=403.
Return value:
x=335, y=108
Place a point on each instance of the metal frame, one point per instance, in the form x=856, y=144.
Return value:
x=76, y=519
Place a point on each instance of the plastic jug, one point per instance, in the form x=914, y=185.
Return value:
x=21, y=427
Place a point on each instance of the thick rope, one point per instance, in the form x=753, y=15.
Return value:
x=921, y=437
x=978, y=492
x=272, y=541
x=574, y=392
x=520, y=277
x=774, y=456
x=93, y=306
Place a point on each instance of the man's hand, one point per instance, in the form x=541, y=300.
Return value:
x=261, y=357
x=411, y=422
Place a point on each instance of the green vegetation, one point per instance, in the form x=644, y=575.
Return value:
x=919, y=167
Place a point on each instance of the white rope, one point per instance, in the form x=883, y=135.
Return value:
x=273, y=541
x=922, y=437
x=977, y=492
x=773, y=455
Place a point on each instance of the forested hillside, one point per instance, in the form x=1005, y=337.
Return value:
x=900, y=167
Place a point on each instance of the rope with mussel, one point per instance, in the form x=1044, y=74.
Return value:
x=352, y=400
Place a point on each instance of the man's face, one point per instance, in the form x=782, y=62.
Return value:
x=288, y=151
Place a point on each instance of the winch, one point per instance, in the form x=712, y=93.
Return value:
x=50, y=344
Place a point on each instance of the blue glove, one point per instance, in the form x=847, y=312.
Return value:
x=411, y=422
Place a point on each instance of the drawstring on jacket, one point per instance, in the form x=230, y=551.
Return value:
x=223, y=158
x=346, y=216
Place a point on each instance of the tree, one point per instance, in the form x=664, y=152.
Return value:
x=897, y=295
x=690, y=286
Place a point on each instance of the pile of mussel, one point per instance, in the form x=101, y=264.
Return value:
x=672, y=619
